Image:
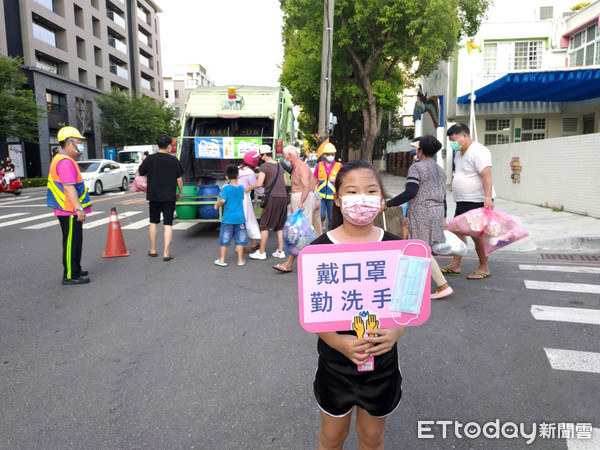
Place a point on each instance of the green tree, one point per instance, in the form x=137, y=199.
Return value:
x=134, y=120
x=379, y=46
x=19, y=115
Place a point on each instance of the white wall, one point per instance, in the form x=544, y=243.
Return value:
x=560, y=172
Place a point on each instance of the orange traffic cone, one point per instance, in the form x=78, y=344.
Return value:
x=115, y=245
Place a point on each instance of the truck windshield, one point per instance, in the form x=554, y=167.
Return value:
x=128, y=158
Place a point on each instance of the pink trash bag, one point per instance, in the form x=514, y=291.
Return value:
x=139, y=184
x=500, y=231
x=472, y=223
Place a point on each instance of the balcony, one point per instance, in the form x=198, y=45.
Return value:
x=146, y=84
x=115, y=43
x=144, y=39
x=46, y=3
x=143, y=15
x=119, y=71
x=145, y=62
x=46, y=66
x=116, y=18
x=192, y=83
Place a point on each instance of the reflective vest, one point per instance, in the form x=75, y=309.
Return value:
x=55, y=196
x=326, y=185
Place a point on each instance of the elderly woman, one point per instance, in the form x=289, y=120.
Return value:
x=426, y=196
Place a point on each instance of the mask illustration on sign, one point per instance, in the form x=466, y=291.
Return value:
x=360, y=209
x=411, y=277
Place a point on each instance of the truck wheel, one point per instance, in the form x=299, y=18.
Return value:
x=98, y=188
x=124, y=184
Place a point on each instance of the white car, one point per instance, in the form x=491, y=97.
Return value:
x=102, y=174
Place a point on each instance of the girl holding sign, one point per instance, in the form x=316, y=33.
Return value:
x=339, y=386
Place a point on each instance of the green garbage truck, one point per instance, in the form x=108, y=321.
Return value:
x=219, y=124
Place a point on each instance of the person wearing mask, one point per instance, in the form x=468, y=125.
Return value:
x=303, y=184
x=326, y=173
x=426, y=196
x=273, y=216
x=68, y=196
x=472, y=188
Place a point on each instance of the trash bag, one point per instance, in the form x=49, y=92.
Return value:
x=500, y=231
x=453, y=246
x=139, y=184
x=297, y=233
x=472, y=223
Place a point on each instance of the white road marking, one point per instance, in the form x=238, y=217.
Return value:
x=563, y=287
x=8, y=216
x=570, y=269
x=26, y=219
x=573, y=360
x=42, y=225
x=21, y=199
x=105, y=220
x=559, y=314
x=137, y=225
x=184, y=225
x=585, y=444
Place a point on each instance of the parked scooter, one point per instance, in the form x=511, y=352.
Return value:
x=14, y=187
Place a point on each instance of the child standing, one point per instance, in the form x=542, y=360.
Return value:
x=338, y=385
x=233, y=223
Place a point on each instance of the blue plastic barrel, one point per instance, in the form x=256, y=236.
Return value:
x=208, y=211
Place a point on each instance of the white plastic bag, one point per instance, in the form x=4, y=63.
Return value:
x=453, y=246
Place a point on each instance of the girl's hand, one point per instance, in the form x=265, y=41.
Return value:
x=384, y=341
x=356, y=350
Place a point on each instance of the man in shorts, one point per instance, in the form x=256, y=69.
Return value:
x=165, y=174
x=303, y=184
x=472, y=188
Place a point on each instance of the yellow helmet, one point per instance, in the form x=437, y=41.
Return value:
x=329, y=148
x=69, y=132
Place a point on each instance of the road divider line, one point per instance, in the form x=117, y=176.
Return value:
x=573, y=360
x=26, y=219
x=570, y=269
x=106, y=199
x=105, y=220
x=137, y=225
x=585, y=444
x=20, y=200
x=563, y=287
x=133, y=201
x=42, y=225
x=8, y=216
x=572, y=315
x=184, y=225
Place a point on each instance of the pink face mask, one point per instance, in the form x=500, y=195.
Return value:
x=360, y=209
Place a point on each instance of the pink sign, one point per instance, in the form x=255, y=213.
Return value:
x=340, y=282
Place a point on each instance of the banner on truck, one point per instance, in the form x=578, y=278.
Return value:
x=224, y=147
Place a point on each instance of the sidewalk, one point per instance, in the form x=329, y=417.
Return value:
x=549, y=231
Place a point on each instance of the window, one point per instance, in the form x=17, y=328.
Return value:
x=534, y=129
x=584, y=47
x=176, y=93
x=56, y=102
x=44, y=34
x=589, y=123
x=166, y=94
x=569, y=125
x=46, y=3
x=546, y=12
x=497, y=131
x=509, y=56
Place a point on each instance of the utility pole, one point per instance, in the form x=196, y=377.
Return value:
x=325, y=88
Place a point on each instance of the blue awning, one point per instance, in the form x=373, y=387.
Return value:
x=554, y=86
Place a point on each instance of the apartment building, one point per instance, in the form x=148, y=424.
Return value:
x=74, y=50
x=185, y=78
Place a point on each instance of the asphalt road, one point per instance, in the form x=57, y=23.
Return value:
x=185, y=354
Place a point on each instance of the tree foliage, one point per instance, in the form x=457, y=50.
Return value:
x=134, y=120
x=19, y=115
x=380, y=46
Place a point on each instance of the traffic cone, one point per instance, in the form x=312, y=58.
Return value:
x=115, y=245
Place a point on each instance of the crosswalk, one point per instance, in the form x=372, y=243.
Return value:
x=567, y=359
x=572, y=360
x=30, y=221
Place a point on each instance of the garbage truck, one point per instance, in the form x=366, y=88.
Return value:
x=219, y=124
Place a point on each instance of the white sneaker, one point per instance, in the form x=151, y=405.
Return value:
x=278, y=254
x=258, y=255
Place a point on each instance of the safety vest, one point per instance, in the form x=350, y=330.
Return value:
x=55, y=196
x=326, y=185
